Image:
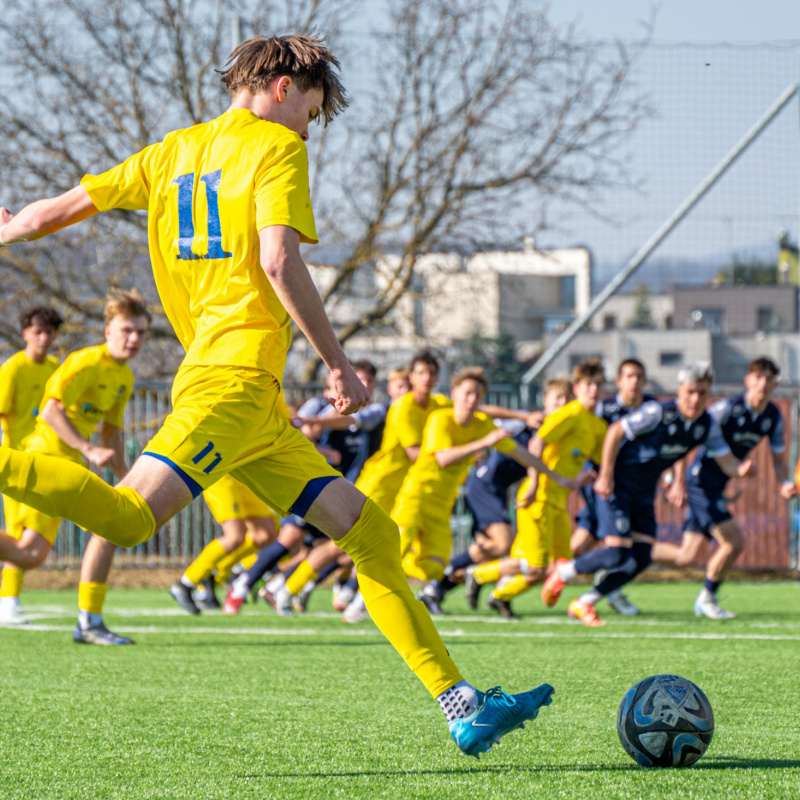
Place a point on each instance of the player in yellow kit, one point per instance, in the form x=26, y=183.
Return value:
x=90, y=389
x=228, y=206
x=566, y=439
x=22, y=381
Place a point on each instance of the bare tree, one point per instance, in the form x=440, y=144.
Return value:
x=480, y=118
x=471, y=122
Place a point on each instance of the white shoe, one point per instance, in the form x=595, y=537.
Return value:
x=356, y=611
x=343, y=598
x=622, y=605
x=283, y=602
x=711, y=609
x=12, y=615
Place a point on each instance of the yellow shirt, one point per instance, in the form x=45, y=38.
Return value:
x=405, y=423
x=571, y=436
x=21, y=387
x=438, y=486
x=208, y=191
x=92, y=387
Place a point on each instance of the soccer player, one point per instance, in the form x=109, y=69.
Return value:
x=90, y=389
x=637, y=449
x=229, y=204
x=566, y=440
x=248, y=525
x=486, y=498
x=451, y=440
x=745, y=420
x=22, y=381
x=631, y=380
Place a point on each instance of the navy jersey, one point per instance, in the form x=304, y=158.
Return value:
x=657, y=435
x=500, y=471
x=742, y=430
x=358, y=442
x=612, y=409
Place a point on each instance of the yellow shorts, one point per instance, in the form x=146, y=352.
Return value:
x=229, y=499
x=425, y=536
x=27, y=517
x=543, y=534
x=9, y=510
x=379, y=490
x=226, y=420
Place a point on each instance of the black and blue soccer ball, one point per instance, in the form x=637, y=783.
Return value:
x=665, y=721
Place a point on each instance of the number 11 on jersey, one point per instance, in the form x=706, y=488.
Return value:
x=186, y=223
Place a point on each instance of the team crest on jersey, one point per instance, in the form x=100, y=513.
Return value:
x=672, y=428
x=766, y=425
x=623, y=524
x=699, y=432
x=670, y=416
x=722, y=504
x=740, y=421
x=738, y=410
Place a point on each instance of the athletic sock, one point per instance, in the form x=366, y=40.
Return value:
x=204, y=564
x=511, y=588
x=266, y=560
x=372, y=543
x=88, y=620
x=352, y=583
x=591, y=597
x=228, y=561
x=487, y=573
x=711, y=586
x=567, y=572
x=9, y=602
x=276, y=584
x=301, y=575
x=458, y=701
x=61, y=488
x=240, y=587
x=325, y=571
x=461, y=561
x=608, y=558
x=92, y=597
x=12, y=579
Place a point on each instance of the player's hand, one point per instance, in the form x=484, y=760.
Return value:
x=5, y=216
x=676, y=494
x=788, y=490
x=534, y=419
x=333, y=457
x=747, y=469
x=580, y=480
x=524, y=500
x=351, y=394
x=99, y=456
x=604, y=486
x=495, y=436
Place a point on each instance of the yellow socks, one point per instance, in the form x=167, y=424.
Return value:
x=230, y=560
x=514, y=586
x=59, y=488
x=300, y=577
x=12, y=579
x=204, y=564
x=487, y=573
x=374, y=545
x=92, y=597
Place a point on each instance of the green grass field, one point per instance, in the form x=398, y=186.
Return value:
x=262, y=707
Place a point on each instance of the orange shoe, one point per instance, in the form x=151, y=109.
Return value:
x=585, y=613
x=554, y=585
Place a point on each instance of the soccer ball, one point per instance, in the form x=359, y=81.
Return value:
x=665, y=721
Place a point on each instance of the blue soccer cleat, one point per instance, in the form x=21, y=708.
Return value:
x=497, y=714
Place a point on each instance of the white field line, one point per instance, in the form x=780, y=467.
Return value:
x=347, y=632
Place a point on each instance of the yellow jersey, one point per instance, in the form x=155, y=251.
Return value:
x=438, y=486
x=92, y=387
x=571, y=436
x=22, y=384
x=404, y=427
x=209, y=190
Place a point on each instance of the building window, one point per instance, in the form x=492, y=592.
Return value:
x=710, y=319
x=419, y=317
x=566, y=291
x=609, y=322
x=767, y=320
x=671, y=358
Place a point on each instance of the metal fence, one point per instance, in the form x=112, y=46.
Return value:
x=769, y=523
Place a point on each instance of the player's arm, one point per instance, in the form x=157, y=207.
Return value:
x=532, y=419
x=112, y=438
x=527, y=459
x=44, y=217
x=289, y=276
x=787, y=490
x=604, y=485
x=56, y=417
x=676, y=493
x=452, y=455
x=535, y=448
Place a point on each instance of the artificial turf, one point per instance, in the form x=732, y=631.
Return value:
x=258, y=706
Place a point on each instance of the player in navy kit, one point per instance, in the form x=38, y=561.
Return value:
x=637, y=449
x=631, y=380
x=744, y=420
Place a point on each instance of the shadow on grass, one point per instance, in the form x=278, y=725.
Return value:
x=720, y=763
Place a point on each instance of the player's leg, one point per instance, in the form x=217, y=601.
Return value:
x=307, y=572
x=32, y=550
x=95, y=566
x=730, y=544
x=261, y=532
x=692, y=550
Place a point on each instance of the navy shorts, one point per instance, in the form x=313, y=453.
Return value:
x=707, y=508
x=587, y=516
x=486, y=506
x=621, y=515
